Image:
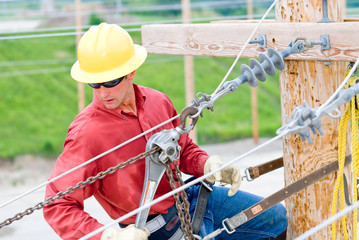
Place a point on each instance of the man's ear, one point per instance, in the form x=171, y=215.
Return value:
x=131, y=75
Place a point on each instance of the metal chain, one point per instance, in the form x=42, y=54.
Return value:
x=183, y=208
x=79, y=185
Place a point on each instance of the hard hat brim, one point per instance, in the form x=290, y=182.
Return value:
x=132, y=64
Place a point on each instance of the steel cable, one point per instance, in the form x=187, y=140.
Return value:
x=87, y=162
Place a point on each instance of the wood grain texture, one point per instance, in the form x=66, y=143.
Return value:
x=227, y=38
x=314, y=82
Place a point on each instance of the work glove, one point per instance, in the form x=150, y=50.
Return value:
x=228, y=175
x=129, y=233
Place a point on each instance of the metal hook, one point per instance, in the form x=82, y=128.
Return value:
x=188, y=112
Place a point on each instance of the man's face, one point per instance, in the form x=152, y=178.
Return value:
x=113, y=97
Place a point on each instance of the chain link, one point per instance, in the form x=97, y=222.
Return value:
x=182, y=207
x=79, y=185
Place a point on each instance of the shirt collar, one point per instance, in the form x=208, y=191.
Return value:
x=140, y=96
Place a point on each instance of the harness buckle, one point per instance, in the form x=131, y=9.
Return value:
x=208, y=185
x=226, y=220
x=247, y=175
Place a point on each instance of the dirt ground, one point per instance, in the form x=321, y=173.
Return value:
x=27, y=172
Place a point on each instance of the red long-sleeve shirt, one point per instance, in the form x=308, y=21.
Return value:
x=96, y=130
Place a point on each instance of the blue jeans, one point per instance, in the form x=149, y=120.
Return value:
x=270, y=223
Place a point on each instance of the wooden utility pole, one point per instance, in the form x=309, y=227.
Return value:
x=313, y=81
x=80, y=86
x=188, y=65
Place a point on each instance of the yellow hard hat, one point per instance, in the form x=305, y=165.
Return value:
x=106, y=52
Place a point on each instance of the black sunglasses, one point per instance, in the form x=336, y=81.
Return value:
x=109, y=84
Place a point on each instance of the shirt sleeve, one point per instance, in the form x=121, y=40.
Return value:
x=67, y=216
x=192, y=158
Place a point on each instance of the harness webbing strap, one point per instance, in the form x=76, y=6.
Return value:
x=260, y=207
x=264, y=168
x=201, y=205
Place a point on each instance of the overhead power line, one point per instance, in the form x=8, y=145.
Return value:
x=62, y=69
x=34, y=71
x=35, y=62
x=125, y=25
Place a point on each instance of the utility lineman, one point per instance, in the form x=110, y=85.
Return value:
x=120, y=110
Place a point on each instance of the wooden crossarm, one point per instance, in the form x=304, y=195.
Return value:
x=225, y=39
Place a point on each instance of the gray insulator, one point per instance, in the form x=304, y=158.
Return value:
x=276, y=58
x=267, y=64
x=257, y=70
x=252, y=81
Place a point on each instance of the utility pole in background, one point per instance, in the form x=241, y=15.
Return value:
x=80, y=86
x=188, y=65
x=119, y=7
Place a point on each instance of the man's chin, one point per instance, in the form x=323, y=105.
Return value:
x=110, y=106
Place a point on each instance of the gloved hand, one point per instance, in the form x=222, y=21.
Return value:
x=130, y=232
x=228, y=175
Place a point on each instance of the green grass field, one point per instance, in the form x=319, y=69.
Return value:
x=38, y=98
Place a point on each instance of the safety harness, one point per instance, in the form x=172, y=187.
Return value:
x=244, y=216
x=230, y=224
